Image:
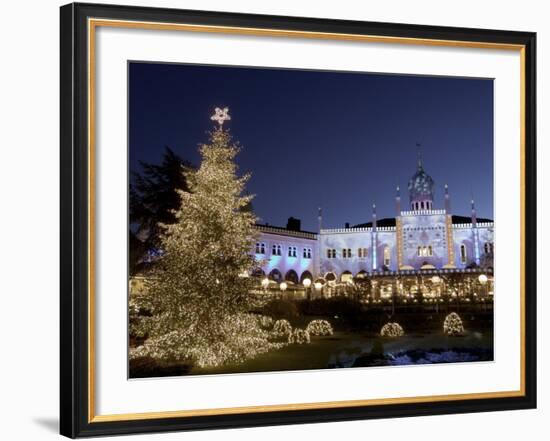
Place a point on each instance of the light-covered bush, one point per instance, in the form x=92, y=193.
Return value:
x=282, y=328
x=319, y=327
x=392, y=330
x=265, y=321
x=299, y=336
x=453, y=324
x=247, y=341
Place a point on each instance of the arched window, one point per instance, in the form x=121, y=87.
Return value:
x=292, y=251
x=422, y=205
x=430, y=251
x=260, y=248
x=463, y=255
x=276, y=249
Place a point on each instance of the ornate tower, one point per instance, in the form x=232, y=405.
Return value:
x=421, y=189
x=475, y=232
x=399, y=228
x=449, y=229
x=374, y=238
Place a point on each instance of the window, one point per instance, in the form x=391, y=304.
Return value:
x=387, y=256
x=362, y=253
x=422, y=205
x=307, y=253
x=463, y=255
x=489, y=247
x=425, y=251
x=276, y=250
x=346, y=253
x=292, y=251
x=331, y=253
x=260, y=248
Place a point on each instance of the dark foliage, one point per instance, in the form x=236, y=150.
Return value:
x=146, y=367
x=153, y=197
x=281, y=309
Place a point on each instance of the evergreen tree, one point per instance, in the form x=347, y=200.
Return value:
x=198, y=295
x=153, y=199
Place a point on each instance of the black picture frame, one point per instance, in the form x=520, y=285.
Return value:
x=75, y=415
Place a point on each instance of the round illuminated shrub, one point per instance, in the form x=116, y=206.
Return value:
x=392, y=330
x=319, y=327
x=299, y=336
x=265, y=321
x=453, y=324
x=282, y=328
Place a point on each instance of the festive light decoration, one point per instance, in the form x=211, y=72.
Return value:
x=392, y=329
x=319, y=327
x=196, y=303
x=282, y=328
x=299, y=336
x=221, y=115
x=453, y=324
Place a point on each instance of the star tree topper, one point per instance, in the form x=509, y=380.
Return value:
x=220, y=116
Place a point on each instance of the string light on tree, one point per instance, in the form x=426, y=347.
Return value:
x=197, y=299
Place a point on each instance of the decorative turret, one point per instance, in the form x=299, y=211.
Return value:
x=374, y=239
x=320, y=218
x=373, y=217
x=447, y=200
x=421, y=189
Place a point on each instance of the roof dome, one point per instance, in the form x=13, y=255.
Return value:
x=421, y=185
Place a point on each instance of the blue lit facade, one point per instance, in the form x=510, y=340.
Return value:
x=421, y=237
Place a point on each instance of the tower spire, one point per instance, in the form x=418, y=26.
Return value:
x=320, y=218
x=419, y=155
x=474, y=214
x=398, y=201
x=447, y=200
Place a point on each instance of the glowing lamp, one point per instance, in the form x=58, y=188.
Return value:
x=283, y=286
x=436, y=279
x=265, y=283
x=318, y=285
x=306, y=283
x=483, y=279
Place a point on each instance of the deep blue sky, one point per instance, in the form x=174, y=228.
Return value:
x=332, y=139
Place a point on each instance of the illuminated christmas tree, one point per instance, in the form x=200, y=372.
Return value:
x=199, y=294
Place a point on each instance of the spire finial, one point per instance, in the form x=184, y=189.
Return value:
x=419, y=155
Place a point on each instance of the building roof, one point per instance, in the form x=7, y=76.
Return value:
x=266, y=228
x=390, y=221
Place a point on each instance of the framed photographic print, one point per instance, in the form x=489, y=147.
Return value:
x=273, y=220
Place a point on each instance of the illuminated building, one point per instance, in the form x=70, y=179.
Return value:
x=419, y=238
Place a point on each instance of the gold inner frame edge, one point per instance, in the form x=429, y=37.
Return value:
x=92, y=25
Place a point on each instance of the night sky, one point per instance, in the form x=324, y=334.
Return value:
x=335, y=140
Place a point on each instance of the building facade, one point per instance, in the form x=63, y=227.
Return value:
x=421, y=237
